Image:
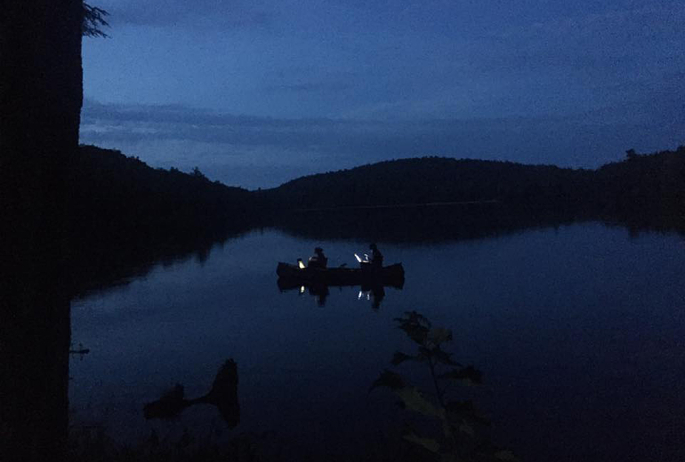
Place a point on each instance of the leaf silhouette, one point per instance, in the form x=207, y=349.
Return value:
x=414, y=317
x=460, y=420
x=388, y=379
x=468, y=429
x=415, y=325
x=468, y=375
x=399, y=357
x=505, y=455
x=414, y=400
x=168, y=407
x=442, y=356
x=439, y=335
x=426, y=443
x=223, y=395
x=465, y=410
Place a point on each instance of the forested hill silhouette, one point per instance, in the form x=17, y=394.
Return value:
x=651, y=181
x=106, y=184
x=644, y=183
x=109, y=188
x=125, y=215
x=434, y=179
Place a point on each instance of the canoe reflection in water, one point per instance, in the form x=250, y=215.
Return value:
x=223, y=395
x=372, y=280
x=373, y=292
x=367, y=275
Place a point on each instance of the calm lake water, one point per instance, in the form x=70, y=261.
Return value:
x=579, y=332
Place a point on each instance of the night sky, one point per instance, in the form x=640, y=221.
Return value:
x=258, y=92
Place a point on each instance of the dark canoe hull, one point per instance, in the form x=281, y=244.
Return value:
x=291, y=275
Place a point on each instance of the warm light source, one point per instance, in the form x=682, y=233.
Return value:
x=302, y=289
x=300, y=264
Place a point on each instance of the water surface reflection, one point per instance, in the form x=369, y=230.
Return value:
x=577, y=328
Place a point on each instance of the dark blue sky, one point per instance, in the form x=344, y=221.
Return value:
x=258, y=92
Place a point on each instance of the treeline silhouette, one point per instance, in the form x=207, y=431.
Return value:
x=108, y=185
x=125, y=215
x=435, y=179
x=644, y=190
x=654, y=181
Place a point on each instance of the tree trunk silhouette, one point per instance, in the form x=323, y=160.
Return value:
x=41, y=94
x=40, y=105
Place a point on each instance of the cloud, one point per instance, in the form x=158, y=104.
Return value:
x=617, y=40
x=309, y=87
x=198, y=13
x=264, y=152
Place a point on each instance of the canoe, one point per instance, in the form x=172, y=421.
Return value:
x=392, y=275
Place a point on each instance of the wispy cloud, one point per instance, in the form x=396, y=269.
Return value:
x=262, y=152
x=618, y=40
x=309, y=87
x=180, y=13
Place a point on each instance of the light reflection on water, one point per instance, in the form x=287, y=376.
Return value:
x=578, y=332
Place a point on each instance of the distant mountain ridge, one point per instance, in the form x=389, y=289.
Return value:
x=650, y=180
x=433, y=179
x=125, y=214
x=106, y=182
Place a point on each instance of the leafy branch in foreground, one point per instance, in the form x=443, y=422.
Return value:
x=460, y=420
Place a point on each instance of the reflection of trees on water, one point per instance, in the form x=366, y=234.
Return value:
x=452, y=223
x=37, y=279
x=420, y=224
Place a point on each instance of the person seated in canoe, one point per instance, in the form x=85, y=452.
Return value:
x=318, y=260
x=376, y=259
